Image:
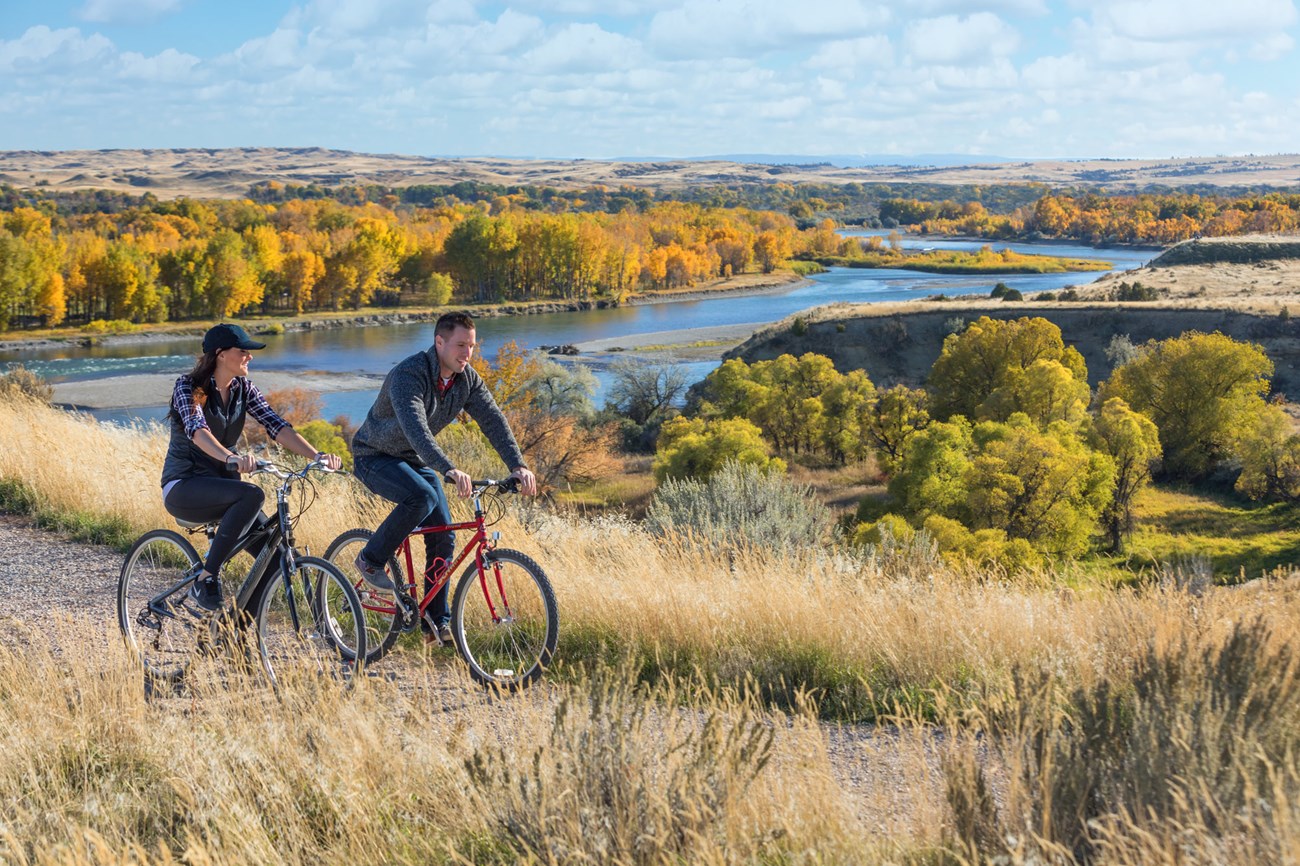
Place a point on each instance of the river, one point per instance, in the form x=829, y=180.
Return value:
x=373, y=350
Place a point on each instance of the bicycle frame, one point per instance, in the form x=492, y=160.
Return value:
x=278, y=537
x=479, y=543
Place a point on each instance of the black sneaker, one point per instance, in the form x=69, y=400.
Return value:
x=206, y=593
x=441, y=634
x=372, y=574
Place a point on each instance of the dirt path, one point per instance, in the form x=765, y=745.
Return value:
x=60, y=595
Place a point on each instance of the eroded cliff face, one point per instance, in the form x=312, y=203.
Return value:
x=1246, y=250
x=899, y=344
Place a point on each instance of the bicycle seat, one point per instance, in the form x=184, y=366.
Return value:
x=190, y=524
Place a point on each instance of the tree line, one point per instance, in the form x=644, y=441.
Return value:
x=189, y=259
x=1101, y=218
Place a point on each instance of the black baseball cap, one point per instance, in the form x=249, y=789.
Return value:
x=226, y=336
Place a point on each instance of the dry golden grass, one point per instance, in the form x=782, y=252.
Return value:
x=592, y=767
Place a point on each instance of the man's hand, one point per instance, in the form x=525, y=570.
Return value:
x=462, y=481
x=527, y=480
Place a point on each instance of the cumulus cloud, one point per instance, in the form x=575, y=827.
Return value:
x=582, y=48
x=738, y=28
x=1010, y=7
x=1178, y=20
x=126, y=11
x=844, y=56
x=41, y=49
x=956, y=41
x=171, y=66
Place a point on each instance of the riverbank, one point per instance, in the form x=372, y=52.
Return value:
x=744, y=284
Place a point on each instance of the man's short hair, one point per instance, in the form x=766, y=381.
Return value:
x=449, y=322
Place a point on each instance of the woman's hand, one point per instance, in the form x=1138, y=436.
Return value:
x=242, y=463
x=332, y=461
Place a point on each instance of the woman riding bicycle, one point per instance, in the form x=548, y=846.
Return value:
x=200, y=477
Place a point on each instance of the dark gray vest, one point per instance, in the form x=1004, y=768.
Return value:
x=184, y=459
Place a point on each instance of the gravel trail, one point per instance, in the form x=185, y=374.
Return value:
x=61, y=595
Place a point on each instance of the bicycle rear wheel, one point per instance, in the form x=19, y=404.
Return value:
x=383, y=622
x=298, y=636
x=161, y=628
x=505, y=621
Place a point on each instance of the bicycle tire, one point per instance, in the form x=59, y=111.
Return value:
x=322, y=643
x=383, y=625
x=164, y=646
x=507, y=642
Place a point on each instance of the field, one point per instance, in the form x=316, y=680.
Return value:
x=225, y=173
x=813, y=704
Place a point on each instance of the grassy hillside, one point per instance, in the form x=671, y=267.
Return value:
x=1045, y=717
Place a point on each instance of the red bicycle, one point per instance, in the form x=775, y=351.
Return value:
x=504, y=619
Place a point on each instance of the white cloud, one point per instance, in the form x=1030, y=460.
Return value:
x=1272, y=47
x=126, y=11
x=41, y=49
x=1177, y=20
x=951, y=40
x=844, y=56
x=1011, y=7
x=582, y=48
x=169, y=67
x=280, y=50
x=739, y=28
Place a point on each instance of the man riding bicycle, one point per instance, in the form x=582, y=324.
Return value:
x=397, y=458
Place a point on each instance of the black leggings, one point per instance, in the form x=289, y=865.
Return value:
x=237, y=504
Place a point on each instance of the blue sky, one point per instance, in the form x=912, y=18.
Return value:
x=610, y=78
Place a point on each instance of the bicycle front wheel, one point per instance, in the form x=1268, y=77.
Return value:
x=160, y=628
x=505, y=621
x=297, y=634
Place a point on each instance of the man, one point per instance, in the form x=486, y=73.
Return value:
x=396, y=456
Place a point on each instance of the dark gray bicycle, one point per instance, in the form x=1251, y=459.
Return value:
x=304, y=614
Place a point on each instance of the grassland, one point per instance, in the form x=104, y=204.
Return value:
x=984, y=261
x=1029, y=719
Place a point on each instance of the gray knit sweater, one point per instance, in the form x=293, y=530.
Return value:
x=409, y=411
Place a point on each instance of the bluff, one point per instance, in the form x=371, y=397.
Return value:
x=899, y=343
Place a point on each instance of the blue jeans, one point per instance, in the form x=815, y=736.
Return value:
x=417, y=490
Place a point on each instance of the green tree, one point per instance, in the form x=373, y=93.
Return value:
x=898, y=414
x=1203, y=391
x=1133, y=443
x=932, y=475
x=1270, y=457
x=326, y=437
x=988, y=358
x=696, y=448
x=1047, y=487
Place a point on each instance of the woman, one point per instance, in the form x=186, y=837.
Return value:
x=200, y=475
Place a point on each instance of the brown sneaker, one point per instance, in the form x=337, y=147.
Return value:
x=442, y=636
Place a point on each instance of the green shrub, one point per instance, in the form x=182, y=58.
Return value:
x=326, y=437
x=741, y=504
x=110, y=326
x=1012, y=295
x=1000, y=290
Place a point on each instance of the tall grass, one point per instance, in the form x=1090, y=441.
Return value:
x=1036, y=720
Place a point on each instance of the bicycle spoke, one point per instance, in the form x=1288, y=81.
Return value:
x=163, y=644
x=511, y=648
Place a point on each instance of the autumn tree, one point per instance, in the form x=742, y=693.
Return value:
x=984, y=371
x=1133, y=444
x=898, y=414
x=1269, y=451
x=696, y=448
x=1203, y=391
